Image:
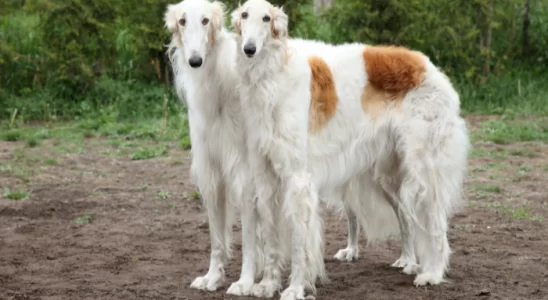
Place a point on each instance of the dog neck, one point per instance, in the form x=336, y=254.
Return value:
x=266, y=64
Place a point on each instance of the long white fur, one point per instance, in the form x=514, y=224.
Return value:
x=219, y=163
x=417, y=154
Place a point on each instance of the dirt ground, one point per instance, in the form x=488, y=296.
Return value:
x=101, y=226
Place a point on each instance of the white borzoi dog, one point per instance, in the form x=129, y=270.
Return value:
x=318, y=122
x=203, y=55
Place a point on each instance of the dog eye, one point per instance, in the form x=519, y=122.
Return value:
x=182, y=22
x=266, y=19
x=205, y=21
x=244, y=15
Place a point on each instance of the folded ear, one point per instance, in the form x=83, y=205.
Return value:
x=236, y=21
x=217, y=15
x=279, y=23
x=170, y=18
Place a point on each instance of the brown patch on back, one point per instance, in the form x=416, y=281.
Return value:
x=393, y=69
x=323, y=104
x=376, y=101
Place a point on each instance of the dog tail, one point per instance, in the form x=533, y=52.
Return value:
x=373, y=209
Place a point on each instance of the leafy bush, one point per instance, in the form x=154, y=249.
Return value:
x=69, y=58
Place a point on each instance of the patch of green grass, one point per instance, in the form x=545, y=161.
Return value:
x=149, y=152
x=11, y=135
x=524, y=169
x=489, y=188
x=164, y=195
x=83, y=220
x=507, y=132
x=481, y=195
x=16, y=195
x=42, y=134
x=196, y=195
x=483, y=152
x=177, y=162
x=50, y=161
x=485, y=168
x=520, y=212
x=525, y=152
x=479, y=152
x=509, y=93
x=32, y=142
x=185, y=143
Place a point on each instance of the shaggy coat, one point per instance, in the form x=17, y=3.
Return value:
x=321, y=123
x=203, y=55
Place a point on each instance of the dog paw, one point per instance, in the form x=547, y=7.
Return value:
x=411, y=269
x=347, y=254
x=293, y=293
x=427, y=278
x=402, y=262
x=265, y=289
x=208, y=282
x=240, y=288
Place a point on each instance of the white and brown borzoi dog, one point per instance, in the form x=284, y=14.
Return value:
x=203, y=55
x=315, y=123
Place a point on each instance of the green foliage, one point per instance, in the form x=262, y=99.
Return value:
x=64, y=59
x=79, y=35
x=11, y=135
x=505, y=131
x=453, y=33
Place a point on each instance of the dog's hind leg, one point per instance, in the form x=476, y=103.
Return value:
x=214, y=197
x=408, y=259
x=351, y=251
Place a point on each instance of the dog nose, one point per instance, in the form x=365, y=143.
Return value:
x=250, y=49
x=195, y=61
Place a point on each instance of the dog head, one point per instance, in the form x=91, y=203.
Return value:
x=195, y=24
x=258, y=22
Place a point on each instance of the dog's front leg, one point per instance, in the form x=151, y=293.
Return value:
x=300, y=206
x=249, y=241
x=213, y=196
x=268, y=209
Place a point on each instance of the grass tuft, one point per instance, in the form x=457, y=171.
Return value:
x=520, y=212
x=149, y=152
x=164, y=195
x=490, y=188
x=506, y=132
x=13, y=135
x=83, y=220
x=33, y=142
x=16, y=195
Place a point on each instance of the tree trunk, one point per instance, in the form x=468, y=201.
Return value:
x=526, y=23
x=488, y=36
